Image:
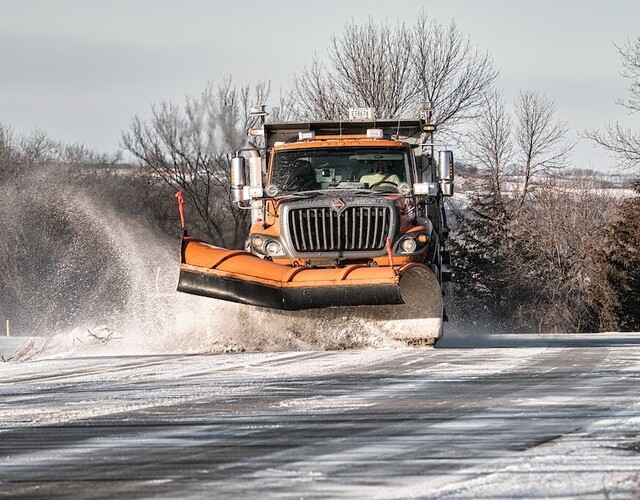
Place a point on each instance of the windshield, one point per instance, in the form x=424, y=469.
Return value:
x=340, y=168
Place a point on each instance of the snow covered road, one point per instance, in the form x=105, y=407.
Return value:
x=519, y=416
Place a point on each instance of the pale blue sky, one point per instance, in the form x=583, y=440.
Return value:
x=81, y=69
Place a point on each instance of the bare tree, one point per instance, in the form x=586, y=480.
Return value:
x=369, y=66
x=449, y=72
x=481, y=238
x=395, y=69
x=540, y=139
x=7, y=152
x=20, y=153
x=553, y=272
x=624, y=142
x=189, y=148
x=283, y=109
x=631, y=62
x=499, y=257
x=490, y=145
x=541, y=269
x=532, y=139
x=316, y=95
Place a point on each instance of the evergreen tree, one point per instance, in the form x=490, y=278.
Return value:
x=623, y=262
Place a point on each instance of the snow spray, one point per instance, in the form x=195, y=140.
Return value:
x=98, y=283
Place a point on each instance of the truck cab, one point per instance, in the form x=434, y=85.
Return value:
x=337, y=193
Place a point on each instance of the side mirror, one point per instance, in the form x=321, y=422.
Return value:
x=446, y=172
x=445, y=166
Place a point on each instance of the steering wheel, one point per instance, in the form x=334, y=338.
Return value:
x=383, y=181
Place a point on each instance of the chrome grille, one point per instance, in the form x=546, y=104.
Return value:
x=322, y=229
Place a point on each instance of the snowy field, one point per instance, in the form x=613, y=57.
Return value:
x=496, y=416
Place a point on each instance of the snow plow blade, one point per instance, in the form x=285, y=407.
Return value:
x=396, y=297
x=239, y=276
x=290, y=298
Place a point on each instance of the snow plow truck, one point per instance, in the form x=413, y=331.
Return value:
x=347, y=220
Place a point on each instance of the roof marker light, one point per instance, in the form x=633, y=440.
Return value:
x=375, y=133
x=308, y=135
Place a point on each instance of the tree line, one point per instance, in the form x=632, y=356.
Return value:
x=535, y=249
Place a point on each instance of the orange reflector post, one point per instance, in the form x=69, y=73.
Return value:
x=181, y=210
x=390, y=253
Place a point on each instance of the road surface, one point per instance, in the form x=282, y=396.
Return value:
x=511, y=416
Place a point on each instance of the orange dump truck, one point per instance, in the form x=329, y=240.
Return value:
x=345, y=215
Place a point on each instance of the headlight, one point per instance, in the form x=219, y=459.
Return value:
x=273, y=248
x=408, y=245
x=257, y=242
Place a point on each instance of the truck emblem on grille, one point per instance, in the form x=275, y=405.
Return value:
x=338, y=206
